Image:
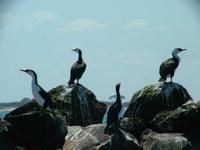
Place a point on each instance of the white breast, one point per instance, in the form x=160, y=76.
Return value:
x=36, y=95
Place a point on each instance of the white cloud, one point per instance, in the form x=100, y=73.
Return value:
x=80, y=25
x=135, y=24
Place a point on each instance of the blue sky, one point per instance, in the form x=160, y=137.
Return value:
x=122, y=41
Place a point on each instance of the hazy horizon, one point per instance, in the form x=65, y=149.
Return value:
x=121, y=42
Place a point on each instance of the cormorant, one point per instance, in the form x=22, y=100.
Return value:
x=77, y=69
x=40, y=95
x=114, y=110
x=168, y=67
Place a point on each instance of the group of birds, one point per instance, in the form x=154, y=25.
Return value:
x=167, y=70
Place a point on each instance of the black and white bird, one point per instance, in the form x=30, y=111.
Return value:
x=77, y=69
x=168, y=67
x=40, y=95
x=114, y=110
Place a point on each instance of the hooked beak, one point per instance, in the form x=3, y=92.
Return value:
x=22, y=70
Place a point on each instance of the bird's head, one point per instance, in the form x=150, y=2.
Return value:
x=178, y=50
x=118, y=86
x=30, y=72
x=77, y=50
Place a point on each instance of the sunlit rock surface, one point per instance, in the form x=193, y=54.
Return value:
x=152, y=99
x=85, y=138
x=93, y=138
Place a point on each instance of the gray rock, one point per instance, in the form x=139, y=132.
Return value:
x=85, y=138
x=164, y=141
x=152, y=99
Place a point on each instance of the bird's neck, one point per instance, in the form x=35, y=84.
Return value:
x=34, y=80
x=175, y=56
x=118, y=99
x=80, y=57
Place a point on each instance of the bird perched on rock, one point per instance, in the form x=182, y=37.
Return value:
x=114, y=110
x=168, y=67
x=40, y=95
x=77, y=69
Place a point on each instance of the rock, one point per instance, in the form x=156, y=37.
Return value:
x=152, y=99
x=166, y=141
x=134, y=126
x=78, y=104
x=121, y=141
x=93, y=138
x=36, y=130
x=85, y=138
x=184, y=119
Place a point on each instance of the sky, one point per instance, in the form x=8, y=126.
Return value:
x=121, y=41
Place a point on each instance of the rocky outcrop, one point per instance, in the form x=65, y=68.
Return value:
x=152, y=99
x=78, y=104
x=36, y=130
x=184, y=119
x=164, y=141
x=93, y=138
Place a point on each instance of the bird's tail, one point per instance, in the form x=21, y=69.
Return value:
x=70, y=82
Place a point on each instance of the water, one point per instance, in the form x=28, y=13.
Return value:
x=3, y=113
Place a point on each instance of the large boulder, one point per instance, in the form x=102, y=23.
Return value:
x=36, y=130
x=152, y=99
x=93, y=138
x=166, y=141
x=78, y=104
x=184, y=119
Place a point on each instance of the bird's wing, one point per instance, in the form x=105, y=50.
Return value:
x=44, y=95
x=167, y=65
x=77, y=69
x=74, y=70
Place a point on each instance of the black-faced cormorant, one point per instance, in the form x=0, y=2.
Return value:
x=114, y=110
x=168, y=67
x=40, y=95
x=77, y=69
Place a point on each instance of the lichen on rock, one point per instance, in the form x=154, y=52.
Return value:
x=152, y=99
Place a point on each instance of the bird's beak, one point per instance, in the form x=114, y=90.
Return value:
x=184, y=49
x=73, y=50
x=22, y=70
